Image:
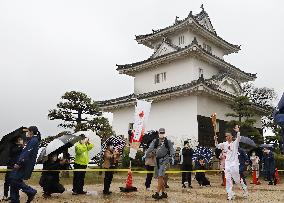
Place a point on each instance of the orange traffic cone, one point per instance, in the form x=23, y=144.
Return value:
x=224, y=181
x=254, y=179
x=277, y=176
x=128, y=183
x=129, y=180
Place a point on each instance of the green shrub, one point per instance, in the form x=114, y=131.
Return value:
x=137, y=162
x=279, y=161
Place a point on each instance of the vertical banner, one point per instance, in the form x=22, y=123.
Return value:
x=141, y=115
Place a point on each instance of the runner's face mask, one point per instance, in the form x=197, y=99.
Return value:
x=161, y=135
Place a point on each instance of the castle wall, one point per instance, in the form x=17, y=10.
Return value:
x=177, y=116
x=179, y=72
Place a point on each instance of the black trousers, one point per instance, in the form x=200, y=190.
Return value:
x=149, y=176
x=107, y=180
x=271, y=176
x=51, y=185
x=7, y=184
x=201, y=179
x=186, y=176
x=79, y=178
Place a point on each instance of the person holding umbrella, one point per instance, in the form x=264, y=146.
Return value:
x=186, y=164
x=255, y=165
x=232, y=162
x=15, y=151
x=49, y=180
x=200, y=177
x=23, y=168
x=269, y=165
x=244, y=162
x=111, y=157
x=82, y=159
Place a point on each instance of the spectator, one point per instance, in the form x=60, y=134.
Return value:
x=186, y=164
x=81, y=162
x=200, y=176
x=150, y=162
x=269, y=166
x=49, y=180
x=255, y=166
x=14, y=154
x=111, y=157
x=23, y=168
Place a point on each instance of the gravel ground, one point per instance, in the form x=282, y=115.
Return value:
x=215, y=193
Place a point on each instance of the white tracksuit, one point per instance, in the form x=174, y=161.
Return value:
x=232, y=166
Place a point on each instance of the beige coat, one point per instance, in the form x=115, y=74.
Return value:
x=150, y=160
x=110, y=158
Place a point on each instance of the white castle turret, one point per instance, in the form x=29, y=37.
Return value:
x=187, y=79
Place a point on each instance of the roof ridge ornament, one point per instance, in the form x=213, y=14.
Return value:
x=201, y=78
x=177, y=20
x=194, y=41
x=202, y=7
x=190, y=14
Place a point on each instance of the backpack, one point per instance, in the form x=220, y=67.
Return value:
x=166, y=143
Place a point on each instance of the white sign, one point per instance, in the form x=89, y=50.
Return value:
x=141, y=115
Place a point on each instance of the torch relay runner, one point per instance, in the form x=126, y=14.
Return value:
x=232, y=163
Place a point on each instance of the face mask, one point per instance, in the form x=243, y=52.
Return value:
x=111, y=148
x=21, y=142
x=161, y=136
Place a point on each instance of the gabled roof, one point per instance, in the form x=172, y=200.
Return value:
x=165, y=48
x=129, y=99
x=203, y=16
x=196, y=87
x=193, y=49
x=193, y=22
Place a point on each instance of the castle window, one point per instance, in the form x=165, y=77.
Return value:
x=160, y=77
x=200, y=72
x=207, y=47
x=181, y=40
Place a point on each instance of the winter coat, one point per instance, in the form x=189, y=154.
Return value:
x=50, y=165
x=14, y=155
x=187, y=154
x=110, y=159
x=162, y=153
x=82, y=153
x=27, y=160
x=269, y=162
x=150, y=160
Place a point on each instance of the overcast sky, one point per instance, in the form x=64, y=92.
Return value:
x=50, y=47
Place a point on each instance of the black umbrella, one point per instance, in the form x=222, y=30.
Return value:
x=59, y=145
x=6, y=143
x=268, y=146
x=117, y=142
x=148, y=138
x=258, y=152
x=247, y=141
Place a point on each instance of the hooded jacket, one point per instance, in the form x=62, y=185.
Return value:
x=27, y=160
x=82, y=153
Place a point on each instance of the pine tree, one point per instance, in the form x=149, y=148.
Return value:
x=80, y=113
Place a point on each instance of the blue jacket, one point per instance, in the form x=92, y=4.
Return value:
x=27, y=160
x=269, y=162
x=243, y=158
x=14, y=155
